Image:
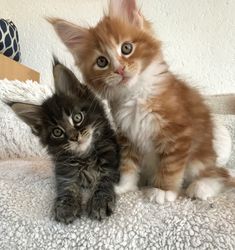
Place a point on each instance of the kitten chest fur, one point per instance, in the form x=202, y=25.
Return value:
x=133, y=116
x=136, y=119
x=137, y=123
x=140, y=126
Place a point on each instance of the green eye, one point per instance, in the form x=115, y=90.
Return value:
x=78, y=118
x=102, y=62
x=126, y=48
x=58, y=133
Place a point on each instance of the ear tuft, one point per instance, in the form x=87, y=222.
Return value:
x=127, y=10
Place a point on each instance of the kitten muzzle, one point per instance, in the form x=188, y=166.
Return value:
x=120, y=70
x=74, y=137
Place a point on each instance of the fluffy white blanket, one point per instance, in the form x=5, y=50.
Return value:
x=26, y=199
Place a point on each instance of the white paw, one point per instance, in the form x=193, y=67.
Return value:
x=121, y=189
x=128, y=183
x=160, y=196
x=204, y=188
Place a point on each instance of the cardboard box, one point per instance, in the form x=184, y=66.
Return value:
x=13, y=70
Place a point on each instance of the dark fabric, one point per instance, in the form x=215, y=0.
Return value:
x=9, y=40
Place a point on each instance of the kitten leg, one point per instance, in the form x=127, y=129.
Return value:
x=68, y=202
x=129, y=168
x=103, y=200
x=169, y=175
x=167, y=187
x=129, y=177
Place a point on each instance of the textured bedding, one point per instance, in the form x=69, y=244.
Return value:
x=27, y=194
x=26, y=200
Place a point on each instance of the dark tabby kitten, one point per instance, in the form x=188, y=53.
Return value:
x=73, y=126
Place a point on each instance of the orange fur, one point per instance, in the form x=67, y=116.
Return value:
x=166, y=116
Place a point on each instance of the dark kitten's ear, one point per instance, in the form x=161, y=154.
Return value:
x=66, y=82
x=30, y=114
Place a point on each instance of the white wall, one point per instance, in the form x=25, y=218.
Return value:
x=198, y=35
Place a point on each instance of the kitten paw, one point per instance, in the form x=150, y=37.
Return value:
x=101, y=205
x=66, y=211
x=121, y=189
x=204, y=189
x=128, y=183
x=160, y=196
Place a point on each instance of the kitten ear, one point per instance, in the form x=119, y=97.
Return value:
x=66, y=82
x=128, y=10
x=73, y=36
x=30, y=114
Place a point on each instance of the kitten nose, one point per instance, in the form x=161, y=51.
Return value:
x=120, y=70
x=74, y=136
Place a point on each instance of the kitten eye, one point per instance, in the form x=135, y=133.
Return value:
x=126, y=48
x=102, y=62
x=78, y=118
x=58, y=133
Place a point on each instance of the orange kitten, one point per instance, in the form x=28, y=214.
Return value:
x=165, y=127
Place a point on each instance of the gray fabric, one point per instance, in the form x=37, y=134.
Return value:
x=26, y=199
x=229, y=123
x=222, y=104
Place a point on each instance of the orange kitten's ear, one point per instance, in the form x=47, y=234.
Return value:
x=73, y=36
x=126, y=9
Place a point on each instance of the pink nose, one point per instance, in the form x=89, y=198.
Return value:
x=120, y=70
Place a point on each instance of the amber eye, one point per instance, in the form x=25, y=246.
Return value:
x=126, y=48
x=58, y=133
x=78, y=118
x=102, y=62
